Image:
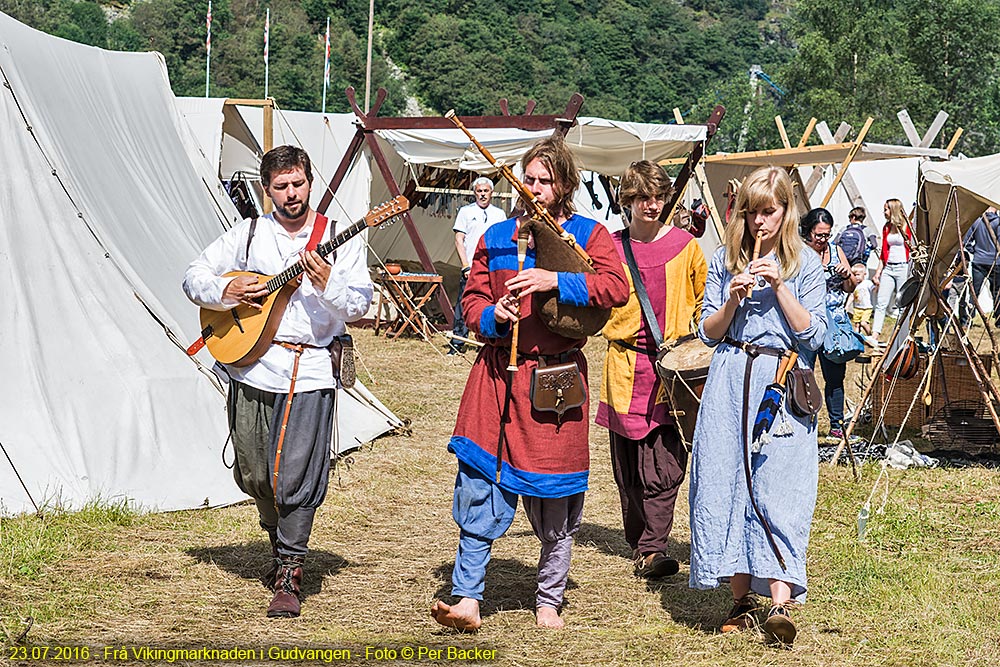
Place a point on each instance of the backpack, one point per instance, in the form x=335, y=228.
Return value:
x=855, y=245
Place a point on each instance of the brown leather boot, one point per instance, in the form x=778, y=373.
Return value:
x=272, y=571
x=286, y=603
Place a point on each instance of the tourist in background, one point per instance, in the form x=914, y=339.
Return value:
x=894, y=262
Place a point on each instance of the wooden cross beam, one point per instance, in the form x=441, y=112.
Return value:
x=824, y=134
x=911, y=131
x=702, y=179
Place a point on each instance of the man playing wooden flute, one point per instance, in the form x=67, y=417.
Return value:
x=543, y=456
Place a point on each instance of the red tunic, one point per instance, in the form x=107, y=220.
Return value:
x=541, y=457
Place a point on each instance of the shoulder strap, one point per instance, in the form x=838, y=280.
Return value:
x=640, y=290
x=253, y=228
x=319, y=226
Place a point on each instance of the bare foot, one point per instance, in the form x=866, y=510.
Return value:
x=548, y=617
x=462, y=616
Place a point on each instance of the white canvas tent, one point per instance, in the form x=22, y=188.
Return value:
x=960, y=191
x=600, y=145
x=104, y=201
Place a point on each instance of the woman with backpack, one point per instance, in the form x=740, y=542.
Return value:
x=840, y=282
x=894, y=264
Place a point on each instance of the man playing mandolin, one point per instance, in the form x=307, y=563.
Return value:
x=506, y=445
x=282, y=446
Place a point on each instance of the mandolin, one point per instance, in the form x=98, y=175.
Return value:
x=240, y=336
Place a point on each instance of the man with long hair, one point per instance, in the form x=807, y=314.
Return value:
x=543, y=457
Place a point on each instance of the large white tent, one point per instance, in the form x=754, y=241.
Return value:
x=105, y=200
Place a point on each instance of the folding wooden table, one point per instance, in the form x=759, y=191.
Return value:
x=409, y=293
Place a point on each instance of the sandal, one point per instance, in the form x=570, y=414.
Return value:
x=742, y=615
x=779, y=627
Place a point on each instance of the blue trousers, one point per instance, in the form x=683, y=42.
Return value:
x=484, y=512
x=833, y=390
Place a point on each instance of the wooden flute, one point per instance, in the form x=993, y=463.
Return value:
x=534, y=208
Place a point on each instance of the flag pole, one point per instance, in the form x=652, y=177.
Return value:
x=368, y=64
x=208, y=45
x=267, y=31
x=326, y=63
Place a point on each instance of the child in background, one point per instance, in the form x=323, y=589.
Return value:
x=860, y=303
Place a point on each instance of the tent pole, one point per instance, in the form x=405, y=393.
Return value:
x=864, y=398
x=978, y=307
x=268, y=141
x=986, y=387
x=693, y=160
x=892, y=341
x=847, y=160
x=702, y=179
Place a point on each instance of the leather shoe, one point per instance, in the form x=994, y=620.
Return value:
x=287, y=582
x=656, y=565
x=779, y=627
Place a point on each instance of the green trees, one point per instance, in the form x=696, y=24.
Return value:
x=631, y=59
x=859, y=58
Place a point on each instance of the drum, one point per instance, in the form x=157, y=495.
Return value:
x=682, y=365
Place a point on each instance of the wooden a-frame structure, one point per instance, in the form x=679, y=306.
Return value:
x=369, y=122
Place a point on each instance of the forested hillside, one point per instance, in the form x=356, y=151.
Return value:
x=631, y=59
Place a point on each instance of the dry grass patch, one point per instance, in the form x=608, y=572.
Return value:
x=920, y=590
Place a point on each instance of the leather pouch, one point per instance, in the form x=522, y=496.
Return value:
x=804, y=396
x=342, y=358
x=557, y=388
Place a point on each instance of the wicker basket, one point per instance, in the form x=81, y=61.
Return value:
x=952, y=380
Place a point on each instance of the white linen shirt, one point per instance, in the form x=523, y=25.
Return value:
x=473, y=221
x=311, y=317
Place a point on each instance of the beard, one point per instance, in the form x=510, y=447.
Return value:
x=291, y=210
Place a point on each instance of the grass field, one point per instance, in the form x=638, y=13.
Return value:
x=922, y=589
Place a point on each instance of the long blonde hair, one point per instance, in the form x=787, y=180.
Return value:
x=897, y=217
x=762, y=188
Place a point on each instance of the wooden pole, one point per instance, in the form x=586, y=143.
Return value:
x=847, y=160
x=954, y=140
x=706, y=191
x=809, y=131
x=268, y=141
x=781, y=130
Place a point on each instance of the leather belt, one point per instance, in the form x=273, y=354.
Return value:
x=297, y=347
x=560, y=357
x=635, y=348
x=753, y=350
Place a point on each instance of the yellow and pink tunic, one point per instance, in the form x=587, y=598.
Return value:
x=673, y=269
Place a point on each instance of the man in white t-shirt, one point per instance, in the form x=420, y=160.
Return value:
x=470, y=224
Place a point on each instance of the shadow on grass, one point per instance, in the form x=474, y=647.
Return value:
x=700, y=610
x=252, y=560
x=510, y=584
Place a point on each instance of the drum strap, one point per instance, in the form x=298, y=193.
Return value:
x=640, y=291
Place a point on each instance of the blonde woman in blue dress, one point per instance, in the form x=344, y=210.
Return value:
x=761, y=308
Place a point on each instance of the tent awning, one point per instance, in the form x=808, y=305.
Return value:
x=601, y=145
x=820, y=155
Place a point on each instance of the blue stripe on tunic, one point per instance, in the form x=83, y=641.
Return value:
x=538, y=485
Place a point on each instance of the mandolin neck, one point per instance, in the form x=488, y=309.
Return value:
x=280, y=280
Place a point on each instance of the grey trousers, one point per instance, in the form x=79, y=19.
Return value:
x=255, y=418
